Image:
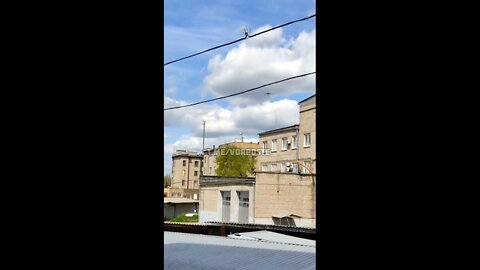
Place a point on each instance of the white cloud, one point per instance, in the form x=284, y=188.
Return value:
x=170, y=90
x=261, y=60
x=224, y=122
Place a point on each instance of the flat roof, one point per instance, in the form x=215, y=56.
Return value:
x=196, y=251
x=307, y=98
x=279, y=130
x=179, y=200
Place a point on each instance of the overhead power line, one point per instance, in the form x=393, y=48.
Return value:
x=240, y=39
x=239, y=93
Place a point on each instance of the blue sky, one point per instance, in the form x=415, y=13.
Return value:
x=192, y=26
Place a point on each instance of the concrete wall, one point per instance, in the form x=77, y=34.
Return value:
x=209, y=162
x=299, y=222
x=211, y=202
x=284, y=194
x=307, y=125
x=279, y=156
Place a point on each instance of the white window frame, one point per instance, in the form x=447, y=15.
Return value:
x=308, y=165
x=264, y=167
x=284, y=143
x=283, y=167
x=294, y=142
x=274, y=145
x=264, y=147
x=274, y=167
x=305, y=136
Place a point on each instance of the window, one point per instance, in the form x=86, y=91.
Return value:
x=195, y=173
x=274, y=145
x=225, y=198
x=196, y=163
x=284, y=143
x=307, y=140
x=183, y=183
x=195, y=183
x=243, y=200
x=308, y=165
x=183, y=173
x=274, y=167
x=264, y=167
x=264, y=147
x=294, y=142
x=283, y=167
x=184, y=162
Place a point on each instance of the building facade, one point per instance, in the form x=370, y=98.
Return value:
x=283, y=191
x=227, y=199
x=186, y=169
x=210, y=155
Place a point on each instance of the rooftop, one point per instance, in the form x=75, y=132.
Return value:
x=307, y=99
x=179, y=200
x=195, y=251
x=278, y=130
x=186, y=153
x=267, y=236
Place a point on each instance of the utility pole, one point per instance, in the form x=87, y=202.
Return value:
x=203, y=143
x=203, y=151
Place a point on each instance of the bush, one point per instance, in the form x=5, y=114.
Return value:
x=183, y=218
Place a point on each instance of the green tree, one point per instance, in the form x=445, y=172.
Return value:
x=232, y=163
x=167, y=180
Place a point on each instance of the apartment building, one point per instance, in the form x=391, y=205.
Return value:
x=291, y=149
x=186, y=169
x=285, y=181
x=283, y=189
x=210, y=155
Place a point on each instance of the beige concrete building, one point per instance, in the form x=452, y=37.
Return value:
x=283, y=190
x=227, y=199
x=186, y=169
x=291, y=149
x=180, y=193
x=307, y=134
x=269, y=198
x=210, y=155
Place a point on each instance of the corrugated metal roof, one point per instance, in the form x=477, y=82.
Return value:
x=267, y=236
x=265, y=226
x=184, y=251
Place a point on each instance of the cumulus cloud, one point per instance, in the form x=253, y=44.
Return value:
x=260, y=60
x=228, y=122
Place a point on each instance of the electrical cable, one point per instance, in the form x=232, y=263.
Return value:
x=239, y=93
x=240, y=39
